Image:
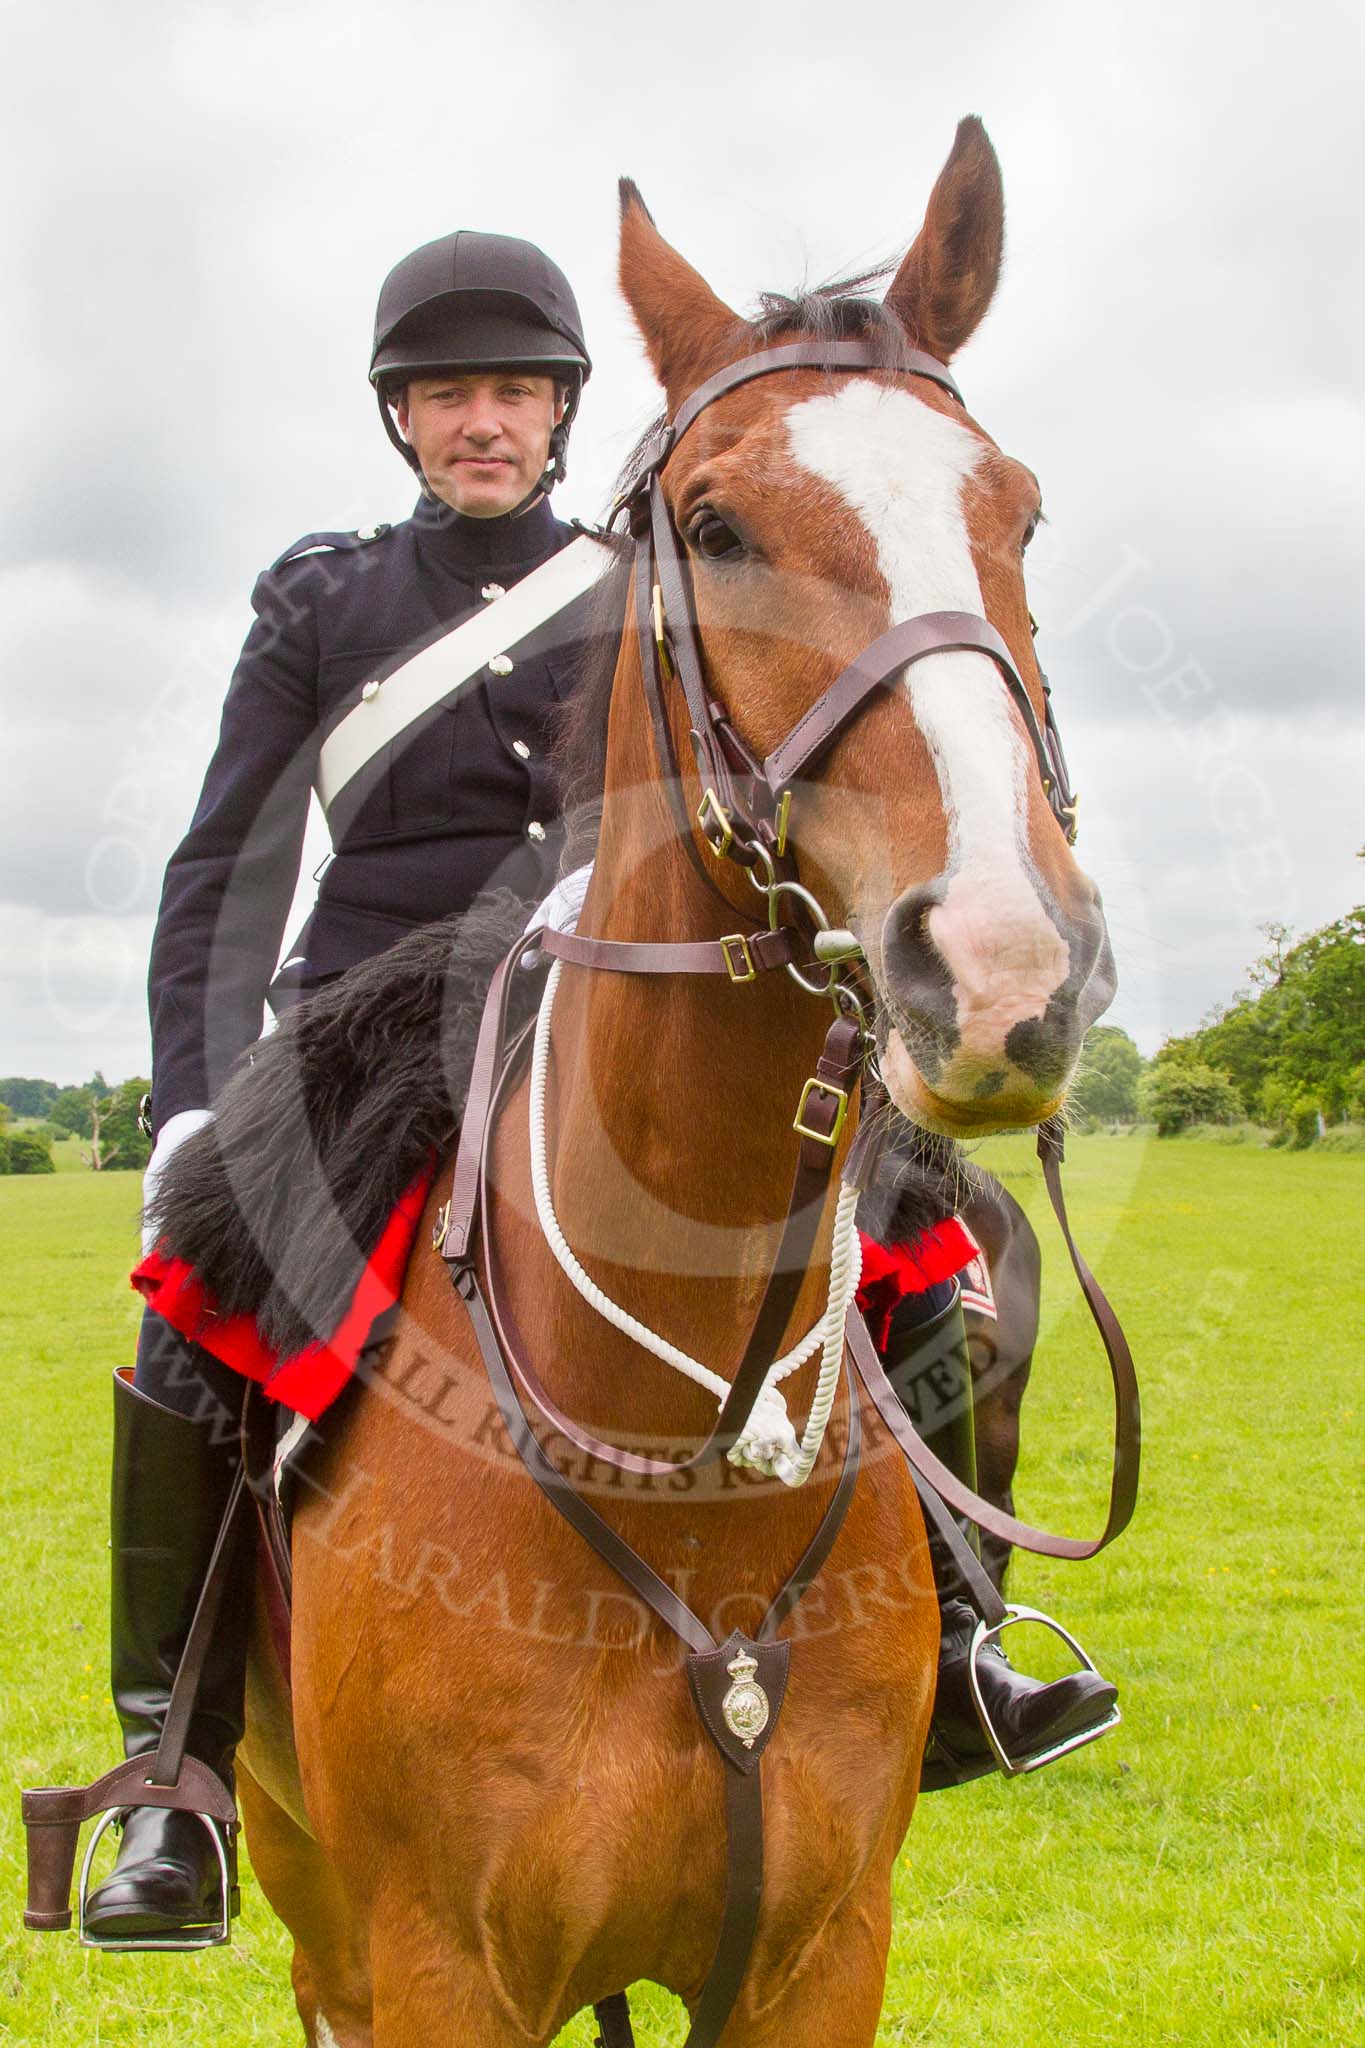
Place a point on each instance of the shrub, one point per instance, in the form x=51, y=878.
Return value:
x=71, y=1110
x=1176, y=1095
x=1349, y=1137
x=28, y=1153
x=1243, y=1132
x=1295, y=1109
x=1304, y=1113
x=1106, y=1084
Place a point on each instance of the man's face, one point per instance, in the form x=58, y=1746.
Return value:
x=482, y=437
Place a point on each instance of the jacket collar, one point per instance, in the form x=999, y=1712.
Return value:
x=459, y=543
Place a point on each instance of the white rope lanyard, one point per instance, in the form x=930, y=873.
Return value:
x=769, y=1443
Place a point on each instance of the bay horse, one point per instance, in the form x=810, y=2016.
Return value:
x=490, y=1803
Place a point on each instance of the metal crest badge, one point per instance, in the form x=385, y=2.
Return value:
x=745, y=1707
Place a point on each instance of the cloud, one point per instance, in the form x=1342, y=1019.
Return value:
x=212, y=195
x=1200, y=832
x=71, y=994
x=112, y=698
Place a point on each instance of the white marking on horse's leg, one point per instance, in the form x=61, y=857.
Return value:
x=325, y=2037
x=902, y=467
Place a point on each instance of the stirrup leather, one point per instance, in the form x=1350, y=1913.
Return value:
x=1017, y=1767
x=223, y=1837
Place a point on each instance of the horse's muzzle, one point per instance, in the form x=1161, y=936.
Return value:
x=988, y=1006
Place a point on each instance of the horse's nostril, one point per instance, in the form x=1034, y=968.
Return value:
x=1044, y=1047
x=919, y=983
x=907, y=935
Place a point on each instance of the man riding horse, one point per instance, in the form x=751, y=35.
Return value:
x=478, y=363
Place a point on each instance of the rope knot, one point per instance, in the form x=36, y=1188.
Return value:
x=768, y=1443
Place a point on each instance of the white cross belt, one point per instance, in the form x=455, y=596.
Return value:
x=439, y=671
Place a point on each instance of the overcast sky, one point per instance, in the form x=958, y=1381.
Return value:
x=201, y=201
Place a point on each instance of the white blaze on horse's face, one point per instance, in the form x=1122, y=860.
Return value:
x=903, y=467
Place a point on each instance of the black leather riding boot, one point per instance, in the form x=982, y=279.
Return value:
x=929, y=1366
x=171, y=1480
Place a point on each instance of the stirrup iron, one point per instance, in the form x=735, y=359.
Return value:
x=1018, y=1767
x=173, y=1941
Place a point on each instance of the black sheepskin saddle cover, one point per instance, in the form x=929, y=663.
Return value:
x=280, y=1201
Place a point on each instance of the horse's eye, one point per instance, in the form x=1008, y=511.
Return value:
x=1029, y=531
x=709, y=535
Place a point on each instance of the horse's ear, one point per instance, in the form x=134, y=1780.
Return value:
x=687, y=330
x=947, y=281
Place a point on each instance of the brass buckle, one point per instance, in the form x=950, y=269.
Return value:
x=438, y=1235
x=784, y=812
x=711, y=811
x=745, y=970
x=661, y=633
x=816, y=1086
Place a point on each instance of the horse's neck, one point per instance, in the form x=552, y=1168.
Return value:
x=669, y=1139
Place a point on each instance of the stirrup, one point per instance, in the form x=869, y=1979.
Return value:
x=54, y=1815
x=172, y=1941
x=1017, y=1767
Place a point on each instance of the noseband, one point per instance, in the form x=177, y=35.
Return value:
x=746, y=802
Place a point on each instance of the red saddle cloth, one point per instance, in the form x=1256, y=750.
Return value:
x=310, y=1380
x=891, y=1271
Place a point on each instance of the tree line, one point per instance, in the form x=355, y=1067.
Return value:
x=102, y=1115
x=1288, y=1051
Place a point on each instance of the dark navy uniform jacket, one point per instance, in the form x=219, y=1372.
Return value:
x=466, y=799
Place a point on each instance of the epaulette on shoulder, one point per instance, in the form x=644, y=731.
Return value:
x=331, y=543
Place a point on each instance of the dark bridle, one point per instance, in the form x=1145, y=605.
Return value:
x=745, y=806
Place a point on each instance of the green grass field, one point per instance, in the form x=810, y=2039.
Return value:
x=1198, y=1877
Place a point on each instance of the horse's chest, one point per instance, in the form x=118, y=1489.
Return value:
x=617, y=1844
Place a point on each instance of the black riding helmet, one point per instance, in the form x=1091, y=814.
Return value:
x=472, y=301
